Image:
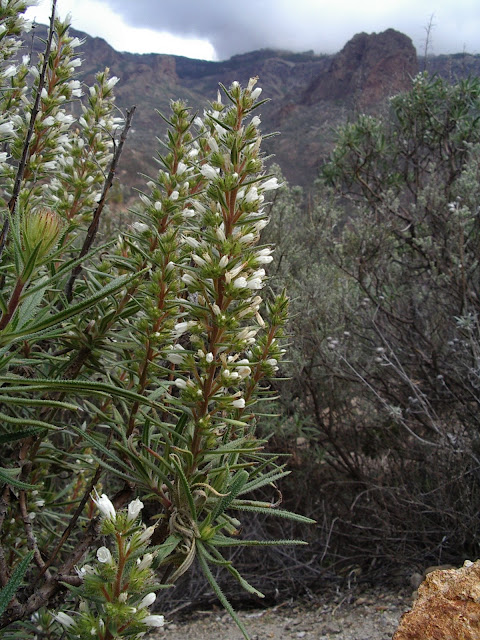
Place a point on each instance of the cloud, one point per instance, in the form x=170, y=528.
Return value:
x=322, y=25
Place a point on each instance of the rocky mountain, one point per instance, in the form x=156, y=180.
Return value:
x=310, y=94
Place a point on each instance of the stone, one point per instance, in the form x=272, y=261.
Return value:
x=447, y=607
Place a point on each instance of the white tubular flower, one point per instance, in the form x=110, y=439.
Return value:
x=259, y=273
x=112, y=82
x=198, y=260
x=246, y=333
x=194, y=244
x=239, y=403
x=134, y=509
x=147, y=601
x=223, y=262
x=271, y=184
x=198, y=122
x=233, y=273
x=247, y=238
x=240, y=283
x=220, y=233
x=188, y=213
x=76, y=42
x=103, y=555
x=256, y=121
x=255, y=283
x=6, y=129
x=174, y=357
x=174, y=195
x=212, y=143
x=105, y=506
x=244, y=372
x=209, y=357
x=251, y=195
x=263, y=256
x=208, y=172
x=145, y=562
x=261, y=224
x=256, y=93
x=64, y=619
x=146, y=535
x=140, y=227
x=181, y=327
x=181, y=168
x=188, y=279
x=180, y=384
x=154, y=621
x=10, y=71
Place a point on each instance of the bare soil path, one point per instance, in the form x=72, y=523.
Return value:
x=371, y=614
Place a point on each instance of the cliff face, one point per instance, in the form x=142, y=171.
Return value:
x=310, y=94
x=368, y=69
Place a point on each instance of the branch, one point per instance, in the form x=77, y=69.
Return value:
x=93, y=228
x=27, y=523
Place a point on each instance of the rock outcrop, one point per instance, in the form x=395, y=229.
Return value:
x=447, y=607
x=368, y=69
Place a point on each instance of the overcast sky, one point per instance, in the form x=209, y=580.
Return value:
x=218, y=29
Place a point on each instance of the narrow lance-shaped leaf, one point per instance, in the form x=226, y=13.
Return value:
x=9, y=590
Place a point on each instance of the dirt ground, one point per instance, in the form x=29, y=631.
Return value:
x=348, y=615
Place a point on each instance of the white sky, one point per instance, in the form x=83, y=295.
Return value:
x=217, y=29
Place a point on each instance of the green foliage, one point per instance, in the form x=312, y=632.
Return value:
x=384, y=280
x=135, y=366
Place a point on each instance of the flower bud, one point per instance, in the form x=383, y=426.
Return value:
x=41, y=228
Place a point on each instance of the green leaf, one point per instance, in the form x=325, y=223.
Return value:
x=216, y=588
x=162, y=551
x=73, y=386
x=18, y=435
x=9, y=590
x=109, y=289
x=184, y=482
x=263, y=480
x=7, y=476
x=280, y=513
x=220, y=560
x=29, y=306
x=99, y=446
x=220, y=540
x=23, y=422
x=39, y=402
x=235, y=487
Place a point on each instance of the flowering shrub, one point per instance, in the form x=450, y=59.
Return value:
x=137, y=364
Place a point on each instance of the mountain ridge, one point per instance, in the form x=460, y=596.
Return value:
x=311, y=94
